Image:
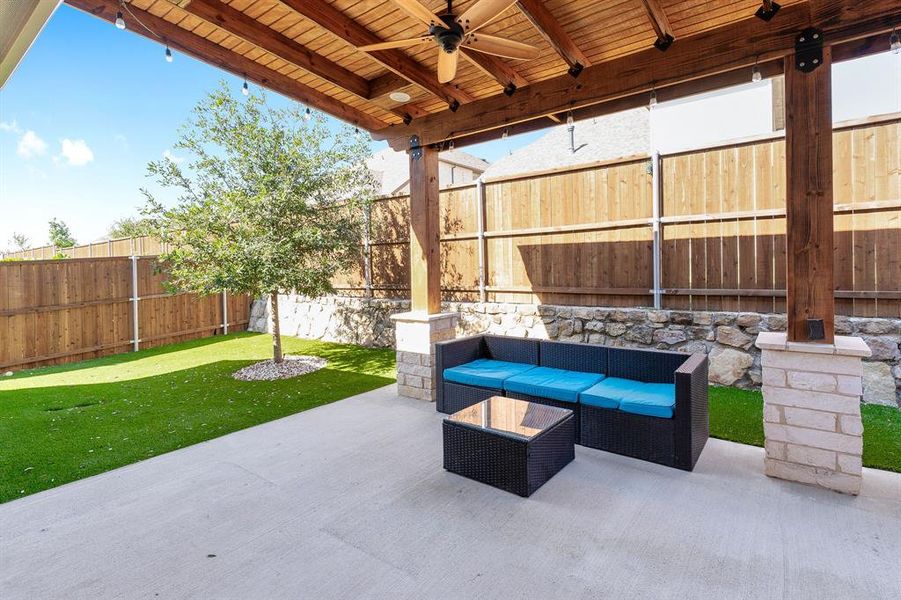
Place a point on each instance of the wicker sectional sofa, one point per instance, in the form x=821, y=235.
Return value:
x=647, y=404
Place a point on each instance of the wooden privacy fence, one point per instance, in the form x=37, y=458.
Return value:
x=701, y=230
x=55, y=311
x=134, y=246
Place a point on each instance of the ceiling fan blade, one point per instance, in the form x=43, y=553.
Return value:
x=483, y=12
x=417, y=10
x=490, y=44
x=395, y=44
x=447, y=65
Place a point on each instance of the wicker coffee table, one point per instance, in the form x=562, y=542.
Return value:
x=511, y=444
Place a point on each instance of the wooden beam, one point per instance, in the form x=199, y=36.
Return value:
x=385, y=84
x=223, y=58
x=810, y=278
x=504, y=74
x=249, y=29
x=336, y=22
x=660, y=23
x=731, y=47
x=549, y=27
x=425, y=231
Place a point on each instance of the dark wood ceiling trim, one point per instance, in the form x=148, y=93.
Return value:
x=660, y=23
x=333, y=20
x=734, y=46
x=249, y=29
x=549, y=27
x=504, y=74
x=223, y=58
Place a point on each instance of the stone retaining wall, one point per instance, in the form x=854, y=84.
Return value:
x=727, y=337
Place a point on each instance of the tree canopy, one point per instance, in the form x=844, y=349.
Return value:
x=60, y=234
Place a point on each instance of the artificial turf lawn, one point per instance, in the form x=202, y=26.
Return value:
x=59, y=424
x=737, y=415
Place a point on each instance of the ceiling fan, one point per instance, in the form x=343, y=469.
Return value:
x=452, y=32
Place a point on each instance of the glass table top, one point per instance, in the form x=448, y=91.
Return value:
x=509, y=415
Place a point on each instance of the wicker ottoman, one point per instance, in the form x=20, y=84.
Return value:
x=510, y=444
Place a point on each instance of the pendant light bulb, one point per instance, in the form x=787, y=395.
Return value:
x=755, y=74
x=168, y=55
x=895, y=42
x=120, y=21
x=245, y=89
x=307, y=114
x=653, y=99
x=569, y=118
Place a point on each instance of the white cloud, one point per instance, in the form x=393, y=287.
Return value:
x=10, y=126
x=76, y=152
x=30, y=145
x=167, y=154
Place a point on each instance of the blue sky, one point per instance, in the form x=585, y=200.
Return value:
x=90, y=105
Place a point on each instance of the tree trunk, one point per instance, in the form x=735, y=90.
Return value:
x=276, y=329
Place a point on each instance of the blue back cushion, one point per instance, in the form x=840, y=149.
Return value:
x=587, y=358
x=556, y=384
x=485, y=373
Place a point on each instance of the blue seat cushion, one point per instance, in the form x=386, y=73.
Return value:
x=484, y=372
x=556, y=384
x=637, y=397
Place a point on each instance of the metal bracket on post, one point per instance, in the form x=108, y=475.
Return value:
x=808, y=49
x=415, y=147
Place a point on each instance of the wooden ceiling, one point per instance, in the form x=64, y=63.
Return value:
x=306, y=49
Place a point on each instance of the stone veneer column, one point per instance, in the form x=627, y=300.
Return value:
x=416, y=334
x=811, y=410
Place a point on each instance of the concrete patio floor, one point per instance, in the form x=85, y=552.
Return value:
x=349, y=500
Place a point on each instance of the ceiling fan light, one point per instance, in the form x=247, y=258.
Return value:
x=399, y=96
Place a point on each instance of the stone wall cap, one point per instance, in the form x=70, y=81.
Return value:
x=843, y=345
x=421, y=317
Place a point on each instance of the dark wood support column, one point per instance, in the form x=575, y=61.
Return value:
x=809, y=249
x=425, y=263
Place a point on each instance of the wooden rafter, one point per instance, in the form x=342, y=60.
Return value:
x=660, y=23
x=549, y=27
x=249, y=29
x=385, y=84
x=227, y=60
x=333, y=20
x=709, y=53
x=504, y=74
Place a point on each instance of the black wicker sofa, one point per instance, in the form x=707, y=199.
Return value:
x=647, y=404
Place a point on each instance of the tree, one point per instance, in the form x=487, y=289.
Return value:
x=128, y=227
x=60, y=235
x=20, y=241
x=268, y=202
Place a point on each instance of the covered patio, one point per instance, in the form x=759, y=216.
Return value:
x=349, y=500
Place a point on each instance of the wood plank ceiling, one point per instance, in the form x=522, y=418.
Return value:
x=306, y=49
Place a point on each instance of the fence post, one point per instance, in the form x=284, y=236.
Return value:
x=657, y=196
x=224, y=313
x=367, y=250
x=483, y=277
x=135, y=328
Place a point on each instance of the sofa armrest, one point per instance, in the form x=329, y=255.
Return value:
x=691, y=414
x=453, y=353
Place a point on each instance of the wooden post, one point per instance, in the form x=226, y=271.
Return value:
x=808, y=155
x=425, y=263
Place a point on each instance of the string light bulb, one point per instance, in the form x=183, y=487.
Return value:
x=168, y=54
x=307, y=114
x=755, y=74
x=120, y=20
x=569, y=118
x=894, y=42
x=245, y=89
x=653, y=99
x=505, y=133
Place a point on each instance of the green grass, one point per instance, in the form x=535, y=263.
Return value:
x=737, y=415
x=59, y=424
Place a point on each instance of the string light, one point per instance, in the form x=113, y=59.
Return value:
x=307, y=114
x=168, y=54
x=653, y=100
x=894, y=42
x=505, y=133
x=569, y=118
x=245, y=89
x=755, y=72
x=120, y=21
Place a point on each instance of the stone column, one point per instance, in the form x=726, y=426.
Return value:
x=811, y=410
x=416, y=334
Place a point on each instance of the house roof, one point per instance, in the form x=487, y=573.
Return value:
x=619, y=135
x=392, y=169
